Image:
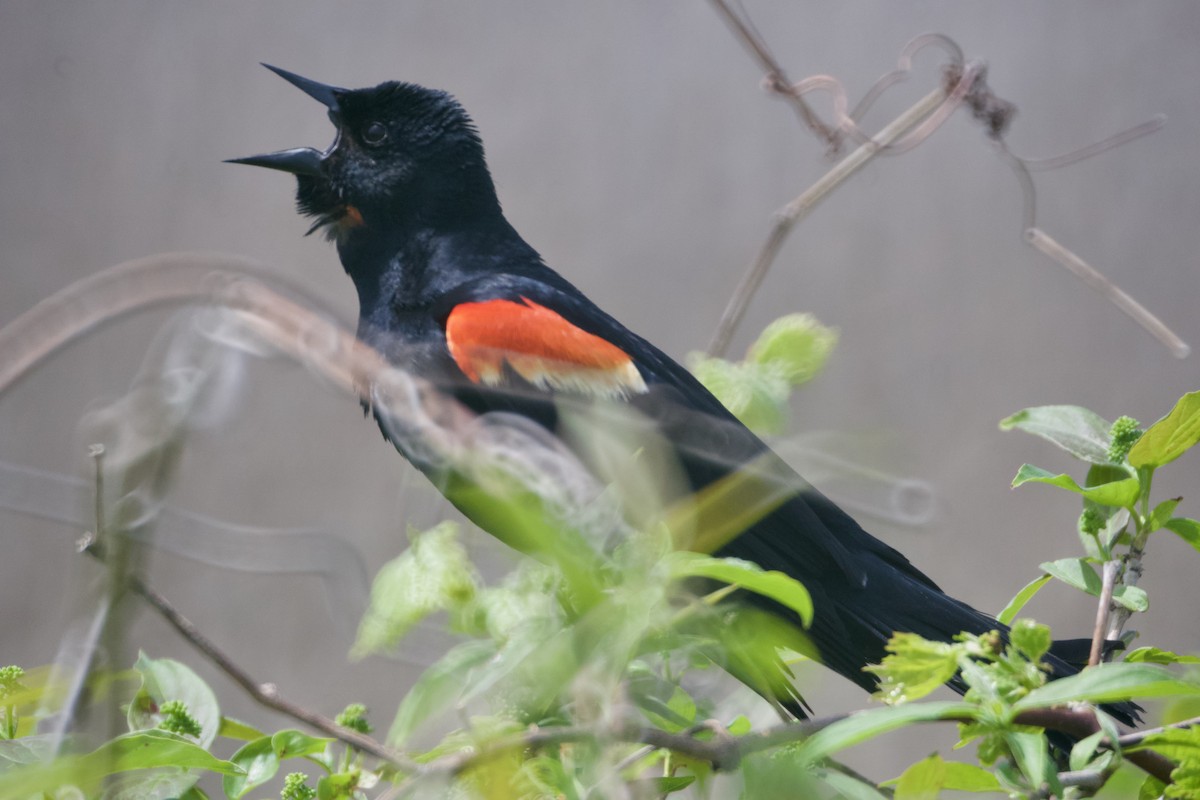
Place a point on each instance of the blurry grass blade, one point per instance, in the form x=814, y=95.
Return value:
x=725, y=508
x=783, y=589
x=1021, y=598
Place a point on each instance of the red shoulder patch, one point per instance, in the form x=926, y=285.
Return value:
x=539, y=345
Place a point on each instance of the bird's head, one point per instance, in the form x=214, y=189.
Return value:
x=403, y=155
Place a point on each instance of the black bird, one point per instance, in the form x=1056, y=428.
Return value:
x=450, y=291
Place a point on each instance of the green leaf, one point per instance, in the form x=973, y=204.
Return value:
x=235, y=729
x=258, y=764
x=1032, y=753
x=144, y=755
x=1078, y=572
x=1075, y=572
x=1162, y=514
x=1185, y=782
x=1084, y=750
x=740, y=726
x=433, y=574
x=1186, y=529
x=27, y=750
x=1031, y=639
x=155, y=748
x=1177, y=744
x=864, y=725
x=756, y=394
x=1132, y=597
x=914, y=667
x=923, y=780
x=1123, y=493
x=647, y=691
x=164, y=680
x=1151, y=789
x=1022, y=597
x=658, y=787
x=781, y=588
x=959, y=777
x=1107, y=683
x=845, y=787
x=438, y=688
x=797, y=345
x=970, y=778
x=1082, y=433
x=1168, y=439
x=296, y=744
x=337, y=787
x=1153, y=655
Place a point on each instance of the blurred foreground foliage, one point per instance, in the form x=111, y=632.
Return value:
x=588, y=672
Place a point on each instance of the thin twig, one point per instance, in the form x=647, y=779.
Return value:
x=1048, y=246
x=1137, y=737
x=1103, y=607
x=1152, y=125
x=777, y=80
x=264, y=693
x=800, y=207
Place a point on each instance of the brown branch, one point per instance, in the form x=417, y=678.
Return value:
x=725, y=752
x=1080, y=722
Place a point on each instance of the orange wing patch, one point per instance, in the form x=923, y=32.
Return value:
x=540, y=346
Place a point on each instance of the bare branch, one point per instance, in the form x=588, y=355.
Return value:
x=1137, y=737
x=799, y=208
x=776, y=79
x=1103, y=607
x=1048, y=246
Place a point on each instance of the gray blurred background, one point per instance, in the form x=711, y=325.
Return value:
x=632, y=145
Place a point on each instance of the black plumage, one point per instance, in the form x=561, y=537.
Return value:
x=406, y=194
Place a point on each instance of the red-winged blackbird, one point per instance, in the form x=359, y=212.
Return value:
x=448, y=290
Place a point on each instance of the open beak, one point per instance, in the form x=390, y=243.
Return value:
x=299, y=160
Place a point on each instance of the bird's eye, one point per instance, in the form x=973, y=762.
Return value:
x=374, y=133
